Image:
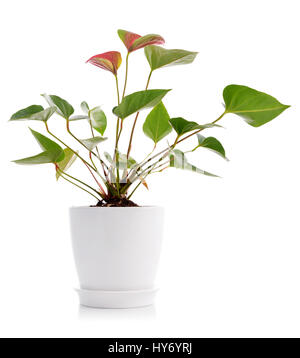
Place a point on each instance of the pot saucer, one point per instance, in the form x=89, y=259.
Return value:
x=116, y=299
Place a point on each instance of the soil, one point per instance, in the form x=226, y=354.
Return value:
x=115, y=202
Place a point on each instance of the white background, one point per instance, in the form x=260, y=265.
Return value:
x=230, y=263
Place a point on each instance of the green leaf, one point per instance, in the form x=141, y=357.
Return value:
x=159, y=57
x=85, y=107
x=156, y=125
x=42, y=158
x=27, y=112
x=108, y=157
x=98, y=119
x=257, y=108
x=122, y=160
x=68, y=160
x=52, y=152
x=183, y=126
x=138, y=101
x=43, y=115
x=124, y=163
x=63, y=108
x=35, y=112
x=78, y=117
x=91, y=143
x=179, y=161
x=44, y=142
x=211, y=143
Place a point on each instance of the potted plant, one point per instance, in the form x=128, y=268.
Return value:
x=116, y=242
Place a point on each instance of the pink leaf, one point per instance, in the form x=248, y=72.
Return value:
x=134, y=41
x=109, y=61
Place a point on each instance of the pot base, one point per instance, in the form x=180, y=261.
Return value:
x=116, y=299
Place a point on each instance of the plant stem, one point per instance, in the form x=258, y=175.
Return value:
x=138, y=168
x=150, y=159
x=133, y=191
x=118, y=120
x=150, y=167
x=116, y=153
x=73, y=135
x=166, y=151
x=100, y=186
x=149, y=172
x=91, y=152
x=78, y=186
x=163, y=164
x=145, y=162
x=120, y=127
x=148, y=80
x=199, y=130
x=93, y=167
x=83, y=160
x=91, y=159
x=78, y=180
x=159, y=171
x=126, y=75
x=72, y=150
x=135, y=120
x=178, y=141
x=99, y=157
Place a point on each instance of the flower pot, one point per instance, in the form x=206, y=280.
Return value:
x=116, y=252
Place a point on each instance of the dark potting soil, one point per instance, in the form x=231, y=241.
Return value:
x=115, y=202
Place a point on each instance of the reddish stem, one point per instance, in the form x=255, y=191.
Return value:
x=100, y=186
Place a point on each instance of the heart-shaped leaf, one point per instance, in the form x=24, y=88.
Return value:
x=146, y=40
x=257, y=108
x=211, y=143
x=183, y=126
x=179, y=161
x=36, y=113
x=42, y=158
x=91, y=143
x=156, y=125
x=109, y=61
x=134, y=41
x=85, y=107
x=128, y=37
x=68, y=160
x=47, y=144
x=63, y=108
x=160, y=57
x=98, y=119
x=139, y=100
x=26, y=113
x=53, y=153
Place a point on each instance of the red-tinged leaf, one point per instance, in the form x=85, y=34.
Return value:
x=128, y=37
x=109, y=61
x=147, y=40
x=134, y=41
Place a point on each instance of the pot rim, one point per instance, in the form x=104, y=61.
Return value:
x=117, y=207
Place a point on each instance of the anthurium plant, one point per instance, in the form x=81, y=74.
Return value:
x=116, y=176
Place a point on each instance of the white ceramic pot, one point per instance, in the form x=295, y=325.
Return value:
x=116, y=252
